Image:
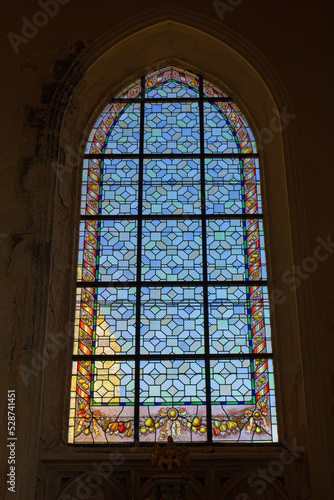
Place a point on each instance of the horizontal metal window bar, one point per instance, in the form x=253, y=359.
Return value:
x=163, y=217
x=155, y=156
x=160, y=283
x=139, y=99
x=181, y=357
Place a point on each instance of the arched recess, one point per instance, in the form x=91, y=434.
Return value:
x=253, y=487
x=93, y=486
x=125, y=56
x=194, y=490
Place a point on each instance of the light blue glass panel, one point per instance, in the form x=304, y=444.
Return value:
x=118, y=245
x=252, y=420
x=225, y=255
x=218, y=136
x=115, y=321
x=172, y=320
x=231, y=381
x=171, y=250
x=113, y=382
x=228, y=322
x=124, y=137
x=171, y=128
x=172, y=382
x=120, y=187
x=223, y=189
x=171, y=186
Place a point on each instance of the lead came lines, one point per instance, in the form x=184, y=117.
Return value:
x=171, y=245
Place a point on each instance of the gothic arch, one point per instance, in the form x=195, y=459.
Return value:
x=99, y=73
x=251, y=487
x=93, y=486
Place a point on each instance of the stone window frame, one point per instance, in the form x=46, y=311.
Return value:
x=74, y=107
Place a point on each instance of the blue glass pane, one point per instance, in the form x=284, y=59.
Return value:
x=225, y=254
x=172, y=382
x=252, y=420
x=171, y=186
x=115, y=321
x=218, y=134
x=172, y=250
x=172, y=320
x=223, y=187
x=231, y=381
x=124, y=136
x=171, y=128
x=113, y=382
x=228, y=320
x=119, y=195
x=118, y=245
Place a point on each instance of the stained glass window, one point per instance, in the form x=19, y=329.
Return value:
x=172, y=332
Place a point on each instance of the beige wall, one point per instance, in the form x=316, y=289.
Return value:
x=269, y=55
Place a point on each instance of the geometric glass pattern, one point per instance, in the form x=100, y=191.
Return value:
x=171, y=186
x=172, y=328
x=172, y=320
x=171, y=250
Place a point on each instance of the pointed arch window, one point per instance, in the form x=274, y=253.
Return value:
x=172, y=332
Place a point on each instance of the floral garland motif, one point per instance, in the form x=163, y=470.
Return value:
x=94, y=422
x=170, y=421
x=256, y=420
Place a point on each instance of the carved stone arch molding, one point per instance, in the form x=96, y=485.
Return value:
x=89, y=79
x=93, y=487
x=253, y=488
